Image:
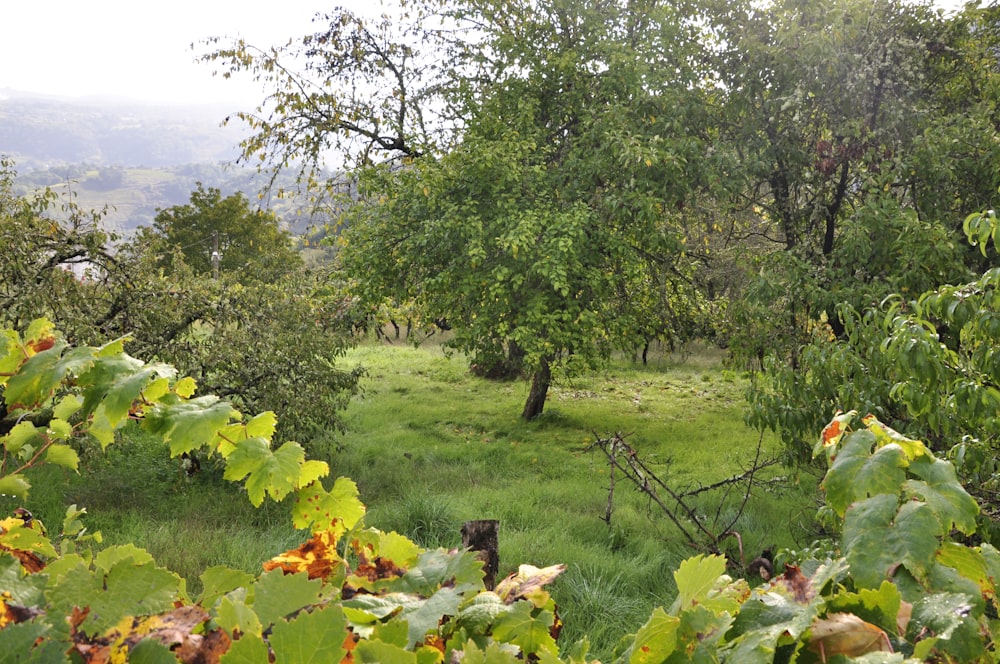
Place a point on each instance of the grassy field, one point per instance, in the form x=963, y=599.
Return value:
x=431, y=446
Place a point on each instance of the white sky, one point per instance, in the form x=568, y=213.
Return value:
x=142, y=49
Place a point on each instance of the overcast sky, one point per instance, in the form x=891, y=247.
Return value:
x=142, y=49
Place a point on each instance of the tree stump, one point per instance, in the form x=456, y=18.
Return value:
x=481, y=537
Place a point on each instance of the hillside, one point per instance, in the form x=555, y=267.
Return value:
x=129, y=157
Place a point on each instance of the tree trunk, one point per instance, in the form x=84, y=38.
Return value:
x=481, y=537
x=539, y=390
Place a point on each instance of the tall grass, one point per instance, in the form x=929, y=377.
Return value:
x=431, y=446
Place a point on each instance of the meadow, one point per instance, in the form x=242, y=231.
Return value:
x=431, y=446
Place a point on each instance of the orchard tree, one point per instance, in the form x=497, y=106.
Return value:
x=566, y=139
x=850, y=227
x=250, y=242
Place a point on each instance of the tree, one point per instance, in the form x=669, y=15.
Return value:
x=267, y=336
x=250, y=243
x=896, y=236
x=560, y=187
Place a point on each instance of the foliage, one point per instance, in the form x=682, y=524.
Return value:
x=850, y=154
x=266, y=334
x=347, y=593
x=536, y=208
x=926, y=366
x=900, y=585
x=249, y=243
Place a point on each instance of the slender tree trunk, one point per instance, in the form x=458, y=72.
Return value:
x=539, y=390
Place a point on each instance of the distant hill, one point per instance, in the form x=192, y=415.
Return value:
x=130, y=156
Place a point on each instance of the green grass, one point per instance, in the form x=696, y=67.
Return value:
x=431, y=446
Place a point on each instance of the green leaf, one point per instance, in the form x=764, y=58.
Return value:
x=14, y=485
x=219, y=580
x=27, y=642
x=946, y=617
x=528, y=632
x=424, y=618
x=479, y=614
x=63, y=455
x=250, y=649
x=20, y=537
x=25, y=589
x=273, y=473
x=276, y=595
x=879, y=535
x=702, y=581
x=112, y=555
x=339, y=509
x=188, y=425
x=378, y=652
x=23, y=433
x=437, y=568
x=315, y=636
x=656, y=640
x=235, y=616
x=67, y=406
x=856, y=473
x=944, y=494
x=149, y=651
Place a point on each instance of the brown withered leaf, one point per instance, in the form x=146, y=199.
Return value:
x=317, y=557
x=846, y=634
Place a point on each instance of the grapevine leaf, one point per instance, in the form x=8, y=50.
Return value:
x=275, y=472
x=877, y=537
x=149, y=651
x=67, y=406
x=946, y=616
x=378, y=652
x=14, y=485
x=944, y=494
x=11, y=354
x=427, y=615
x=185, y=387
x=885, y=435
x=250, y=649
x=702, y=581
x=368, y=608
x=880, y=607
x=310, y=471
x=37, y=379
x=480, y=613
x=113, y=555
x=262, y=425
x=856, y=473
x=317, y=557
x=27, y=642
x=313, y=636
x=16, y=535
x=494, y=653
x=338, y=510
x=59, y=429
x=437, y=568
x=238, y=618
x=23, y=433
x=188, y=425
x=219, y=580
x=275, y=595
x=528, y=632
x=63, y=455
x=24, y=589
x=656, y=640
